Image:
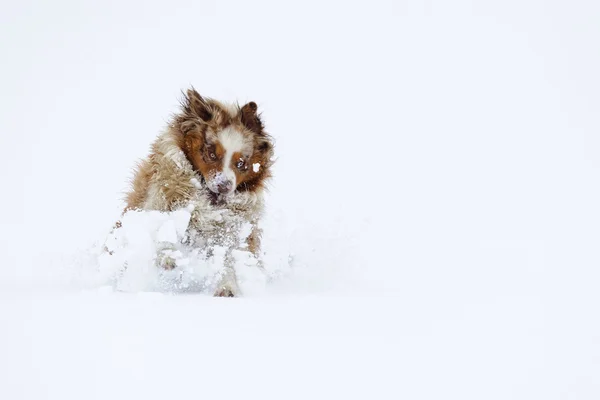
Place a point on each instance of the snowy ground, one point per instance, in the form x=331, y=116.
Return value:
x=433, y=218
x=105, y=345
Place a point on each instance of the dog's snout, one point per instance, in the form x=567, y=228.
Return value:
x=222, y=183
x=224, y=187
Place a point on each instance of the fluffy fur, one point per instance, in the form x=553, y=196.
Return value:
x=215, y=156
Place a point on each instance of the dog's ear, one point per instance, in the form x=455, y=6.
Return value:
x=197, y=105
x=187, y=126
x=250, y=118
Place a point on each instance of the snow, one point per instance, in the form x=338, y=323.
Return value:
x=196, y=184
x=455, y=257
x=102, y=344
x=256, y=167
x=132, y=256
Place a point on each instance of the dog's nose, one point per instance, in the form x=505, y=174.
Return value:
x=224, y=187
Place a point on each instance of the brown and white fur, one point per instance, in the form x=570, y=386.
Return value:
x=212, y=155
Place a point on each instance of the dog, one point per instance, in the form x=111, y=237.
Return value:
x=215, y=159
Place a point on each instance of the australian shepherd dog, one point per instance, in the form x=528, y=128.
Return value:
x=213, y=159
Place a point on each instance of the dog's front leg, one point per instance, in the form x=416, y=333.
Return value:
x=253, y=241
x=228, y=285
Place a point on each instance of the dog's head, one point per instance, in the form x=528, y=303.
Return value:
x=226, y=144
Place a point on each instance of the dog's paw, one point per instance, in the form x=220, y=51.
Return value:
x=166, y=262
x=224, y=292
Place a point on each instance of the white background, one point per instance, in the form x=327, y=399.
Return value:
x=437, y=184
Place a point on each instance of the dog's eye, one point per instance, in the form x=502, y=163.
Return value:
x=241, y=165
x=210, y=151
